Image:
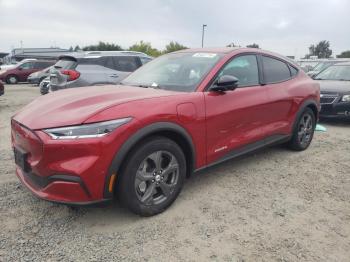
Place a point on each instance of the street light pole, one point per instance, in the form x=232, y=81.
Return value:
x=203, y=27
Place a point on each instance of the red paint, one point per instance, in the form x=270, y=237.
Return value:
x=216, y=122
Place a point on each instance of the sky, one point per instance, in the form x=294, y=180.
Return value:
x=288, y=27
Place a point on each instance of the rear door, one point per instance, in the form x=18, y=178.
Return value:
x=122, y=67
x=278, y=78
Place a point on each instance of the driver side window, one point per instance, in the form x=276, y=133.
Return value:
x=244, y=68
x=28, y=65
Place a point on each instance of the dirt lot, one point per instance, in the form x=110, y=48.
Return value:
x=274, y=205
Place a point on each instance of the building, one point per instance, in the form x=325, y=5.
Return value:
x=18, y=54
x=2, y=55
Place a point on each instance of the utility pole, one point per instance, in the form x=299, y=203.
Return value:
x=203, y=27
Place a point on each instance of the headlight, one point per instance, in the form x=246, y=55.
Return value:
x=346, y=98
x=86, y=130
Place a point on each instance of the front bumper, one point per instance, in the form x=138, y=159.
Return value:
x=57, y=189
x=33, y=80
x=71, y=171
x=335, y=110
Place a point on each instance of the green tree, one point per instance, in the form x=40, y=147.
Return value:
x=146, y=48
x=345, y=54
x=321, y=50
x=71, y=49
x=173, y=46
x=253, y=46
x=102, y=46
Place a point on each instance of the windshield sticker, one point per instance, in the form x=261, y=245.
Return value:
x=204, y=55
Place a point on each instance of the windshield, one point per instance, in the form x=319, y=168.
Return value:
x=320, y=66
x=177, y=72
x=65, y=63
x=335, y=72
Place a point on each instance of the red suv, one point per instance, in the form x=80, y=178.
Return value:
x=178, y=114
x=20, y=72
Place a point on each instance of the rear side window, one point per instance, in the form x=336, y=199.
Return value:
x=126, y=63
x=65, y=63
x=108, y=62
x=275, y=70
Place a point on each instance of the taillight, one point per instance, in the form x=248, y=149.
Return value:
x=72, y=74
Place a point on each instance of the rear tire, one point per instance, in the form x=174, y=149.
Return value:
x=12, y=79
x=303, y=131
x=152, y=176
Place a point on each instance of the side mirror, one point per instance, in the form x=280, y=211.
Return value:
x=225, y=83
x=20, y=68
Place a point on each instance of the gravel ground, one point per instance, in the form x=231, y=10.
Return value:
x=274, y=205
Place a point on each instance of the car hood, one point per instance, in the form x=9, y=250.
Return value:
x=76, y=105
x=36, y=74
x=333, y=86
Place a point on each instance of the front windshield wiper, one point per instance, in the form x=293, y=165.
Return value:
x=147, y=86
x=344, y=79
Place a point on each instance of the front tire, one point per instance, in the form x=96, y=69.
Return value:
x=12, y=79
x=152, y=176
x=303, y=131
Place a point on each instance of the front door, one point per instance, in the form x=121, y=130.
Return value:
x=25, y=70
x=235, y=118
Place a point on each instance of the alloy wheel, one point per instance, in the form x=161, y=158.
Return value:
x=305, y=129
x=156, y=177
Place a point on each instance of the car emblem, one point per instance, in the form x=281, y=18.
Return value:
x=321, y=95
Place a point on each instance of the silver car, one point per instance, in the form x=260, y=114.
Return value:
x=95, y=68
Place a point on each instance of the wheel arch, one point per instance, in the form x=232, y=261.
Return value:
x=11, y=75
x=309, y=103
x=166, y=129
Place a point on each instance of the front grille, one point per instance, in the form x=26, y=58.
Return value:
x=328, y=98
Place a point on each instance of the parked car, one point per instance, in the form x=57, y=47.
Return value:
x=2, y=88
x=44, y=86
x=322, y=66
x=180, y=113
x=335, y=91
x=21, y=71
x=14, y=64
x=36, y=77
x=94, y=68
x=307, y=64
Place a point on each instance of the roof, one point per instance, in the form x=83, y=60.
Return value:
x=20, y=51
x=95, y=54
x=342, y=64
x=222, y=50
x=227, y=50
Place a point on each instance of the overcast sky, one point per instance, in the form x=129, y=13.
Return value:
x=284, y=26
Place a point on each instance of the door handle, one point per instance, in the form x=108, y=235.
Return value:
x=113, y=75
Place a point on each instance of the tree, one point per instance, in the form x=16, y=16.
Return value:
x=71, y=49
x=102, y=46
x=321, y=50
x=172, y=47
x=345, y=54
x=146, y=48
x=253, y=46
x=77, y=48
x=231, y=45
